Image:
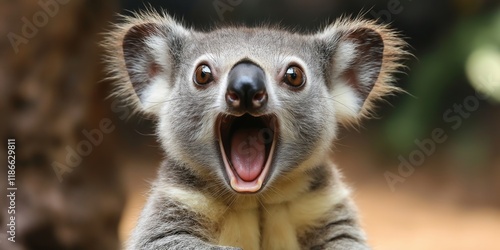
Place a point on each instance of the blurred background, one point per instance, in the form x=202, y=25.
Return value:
x=425, y=173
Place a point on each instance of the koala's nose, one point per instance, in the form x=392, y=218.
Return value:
x=246, y=90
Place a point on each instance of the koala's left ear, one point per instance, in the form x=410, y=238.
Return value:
x=361, y=58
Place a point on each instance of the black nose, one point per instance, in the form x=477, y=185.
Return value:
x=246, y=90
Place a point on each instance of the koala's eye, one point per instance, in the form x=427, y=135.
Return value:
x=203, y=75
x=295, y=77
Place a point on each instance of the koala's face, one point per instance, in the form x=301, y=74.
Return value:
x=245, y=105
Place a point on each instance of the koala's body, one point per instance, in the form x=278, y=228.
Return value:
x=247, y=117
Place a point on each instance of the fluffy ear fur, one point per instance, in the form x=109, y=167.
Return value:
x=362, y=58
x=141, y=53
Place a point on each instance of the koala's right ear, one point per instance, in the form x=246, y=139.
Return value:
x=141, y=55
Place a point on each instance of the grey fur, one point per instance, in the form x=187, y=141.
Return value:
x=162, y=58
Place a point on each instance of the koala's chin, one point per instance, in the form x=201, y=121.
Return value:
x=246, y=117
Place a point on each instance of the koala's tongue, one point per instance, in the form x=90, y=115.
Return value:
x=248, y=153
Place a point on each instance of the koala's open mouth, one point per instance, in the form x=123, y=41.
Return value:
x=247, y=146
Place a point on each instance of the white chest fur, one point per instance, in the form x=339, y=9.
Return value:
x=268, y=222
x=276, y=226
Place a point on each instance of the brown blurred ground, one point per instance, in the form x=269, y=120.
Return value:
x=424, y=213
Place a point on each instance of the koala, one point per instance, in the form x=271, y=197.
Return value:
x=246, y=117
